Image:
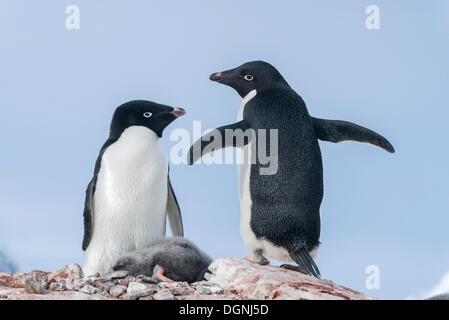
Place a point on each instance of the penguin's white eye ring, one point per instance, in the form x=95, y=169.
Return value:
x=248, y=77
x=147, y=114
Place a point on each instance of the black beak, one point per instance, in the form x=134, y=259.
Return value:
x=218, y=76
x=178, y=112
x=230, y=78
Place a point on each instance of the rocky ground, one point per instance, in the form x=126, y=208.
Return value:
x=230, y=278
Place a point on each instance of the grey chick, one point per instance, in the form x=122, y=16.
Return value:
x=168, y=260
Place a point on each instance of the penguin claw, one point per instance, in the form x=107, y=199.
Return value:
x=294, y=268
x=158, y=274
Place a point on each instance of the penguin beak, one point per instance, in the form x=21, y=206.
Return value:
x=217, y=76
x=178, y=112
x=223, y=77
x=231, y=78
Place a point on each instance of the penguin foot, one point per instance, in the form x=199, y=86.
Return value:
x=259, y=260
x=294, y=268
x=158, y=274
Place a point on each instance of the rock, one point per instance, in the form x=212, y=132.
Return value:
x=75, y=284
x=146, y=279
x=22, y=294
x=65, y=277
x=117, y=274
x=74, y=271
x=105, y=286
x=95, y=275
x=100, y=281
x=206, y=287
x=202, y=290
x=207, y=276
x=58, y=286
x=89, y=289
x=229, y=278
x=62, y=270
x=103, y=279
x=137, y=290
x=215, y=289
x=177, y=288
x=128, y=297
x=19, y=279
x=52, y=276
x=253, y=281
x=36, y=282
x=163, y=295
x=6, y=280
x=127, y=280
x=262, y=291
x=117, y=291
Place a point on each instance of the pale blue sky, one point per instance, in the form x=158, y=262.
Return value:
x=59, y=88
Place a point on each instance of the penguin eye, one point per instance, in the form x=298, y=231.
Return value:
x=147, y=114
x=248, y=77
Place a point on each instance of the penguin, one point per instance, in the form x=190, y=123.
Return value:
x=280, y=212
x=167, y=260
x=130, y=195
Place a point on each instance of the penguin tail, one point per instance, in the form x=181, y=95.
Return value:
x=301, y=256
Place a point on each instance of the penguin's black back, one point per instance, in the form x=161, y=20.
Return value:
x=285, y=206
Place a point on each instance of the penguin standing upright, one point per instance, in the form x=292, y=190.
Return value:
x=280, y=213
x=130, y=195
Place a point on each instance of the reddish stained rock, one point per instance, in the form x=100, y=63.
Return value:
x=230, y=279
x=238, y=276
x=6, y=280
x=22, y=294
x=210, y=297
x=36, y=282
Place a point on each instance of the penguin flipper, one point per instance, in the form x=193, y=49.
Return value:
x=174, y=212
x=88, y=202
x=89, y=212
x=197, y=149
x=301, y=256
x=338, y=131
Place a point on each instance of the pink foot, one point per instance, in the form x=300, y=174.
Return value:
x=160, y=275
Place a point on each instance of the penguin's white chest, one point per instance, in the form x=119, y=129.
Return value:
x=252, y=243
x=130, y=198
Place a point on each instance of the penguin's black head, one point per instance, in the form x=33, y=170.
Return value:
x=154, y=116
x=257, y=75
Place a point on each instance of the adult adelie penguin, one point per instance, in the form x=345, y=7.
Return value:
x=280, y=213
x=130, y=195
